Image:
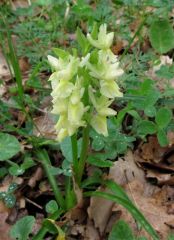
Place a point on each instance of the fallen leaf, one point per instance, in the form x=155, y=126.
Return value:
x=100, y=211
x=126, y=170
x=91, y=232
x=4, y=227
x=152, y=207
x=44, y=126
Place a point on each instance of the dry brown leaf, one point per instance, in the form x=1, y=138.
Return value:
x=91, y=232
x=100, y=211
x=126, y=170
x=123, y=171
x=152, y=208
x=151, y=151
x=160, y=178
x=24, y=64
x=44, y=126
x=4, y=227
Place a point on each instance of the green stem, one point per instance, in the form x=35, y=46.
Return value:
x=75, y=155
x=43, y=156
x=83, y=155
x=132, y=39
x=43, y=230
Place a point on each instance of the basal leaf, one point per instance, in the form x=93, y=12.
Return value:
x=99, y=162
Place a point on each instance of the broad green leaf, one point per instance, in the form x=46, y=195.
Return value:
x=99, y=162
x=162, y=138
x=51, y=207
x=161, y=36
x=121, y=230
x=9, y=146
x=22, y=228
x=163, y=117
x=146, y=127
x=130, y=207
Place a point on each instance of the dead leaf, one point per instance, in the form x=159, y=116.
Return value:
x=4, y=227
x=126, y=170
x=100, y=211
x=24, y=64
x=44, y=126
x=158, y=178
x=152, y=207
x=91, y=232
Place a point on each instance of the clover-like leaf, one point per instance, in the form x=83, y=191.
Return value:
x=9, y=146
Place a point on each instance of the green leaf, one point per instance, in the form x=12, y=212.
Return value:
x=60, y=53
x=121, y=230
x=22, y=228
x=9, y=200
x=150, y=111
x=161, y=36
x=162, y=138
x=12, y=188
x=99, y=162
x=9, y=146
x=170, y=237
x=16, y=170
x=66, y=148
x=28, y=163
x=82, y=41
x=3, y=172
x=116, y=189
x=98, y=143
x=146, y=127
x=163, y=117
x=51, y=207
x=49, y=224
x=130, y=207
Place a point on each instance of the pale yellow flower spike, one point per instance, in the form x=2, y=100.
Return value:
x=68, y=87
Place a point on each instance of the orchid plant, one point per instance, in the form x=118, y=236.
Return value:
x=83, y=89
